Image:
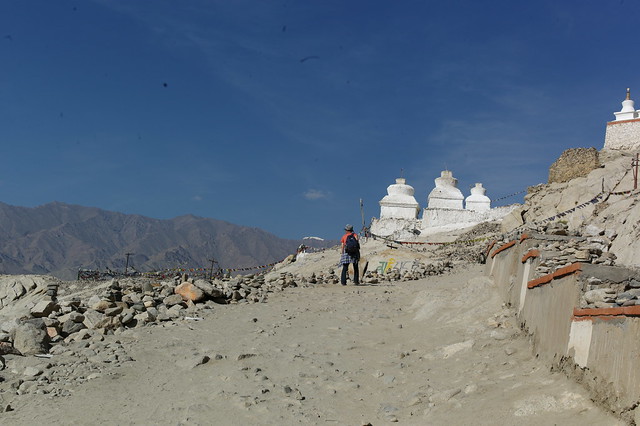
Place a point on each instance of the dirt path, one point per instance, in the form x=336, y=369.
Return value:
x=436, y=351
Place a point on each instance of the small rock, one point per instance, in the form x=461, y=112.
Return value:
x=44, y=308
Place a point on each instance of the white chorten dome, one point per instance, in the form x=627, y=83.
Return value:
x=628, y=111
x=446, y=194
x=478, y=201
x=399, y=203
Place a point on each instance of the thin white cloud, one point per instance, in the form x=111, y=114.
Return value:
x=316, y=194
x=197, y=198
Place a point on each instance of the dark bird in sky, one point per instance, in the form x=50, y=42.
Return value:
x=309, y=57
x=165, y=85
x=8, y=37
x=284, y=28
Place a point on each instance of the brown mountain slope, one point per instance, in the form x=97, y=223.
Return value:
x=58, y=239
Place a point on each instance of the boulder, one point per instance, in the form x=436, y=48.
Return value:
x=209, y=289
x=94, y=319
x=172, y=300
x=44, y=308
x=31, y=338
x=70, y=327
x=189, y=291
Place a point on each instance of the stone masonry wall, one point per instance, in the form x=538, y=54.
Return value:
x=573, y=163
x=623, y=135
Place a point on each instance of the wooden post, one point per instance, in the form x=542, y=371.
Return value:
x=634, y=165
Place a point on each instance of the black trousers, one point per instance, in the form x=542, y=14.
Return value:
x=345, y=271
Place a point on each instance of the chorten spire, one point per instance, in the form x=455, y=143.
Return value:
x=628, y=111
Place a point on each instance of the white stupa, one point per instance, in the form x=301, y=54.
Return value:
x=478, y=201
x=623, y=133
x=628, y=111
x=446, y=194
x=399, y=203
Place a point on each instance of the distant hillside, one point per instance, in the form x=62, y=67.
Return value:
x=58, y=238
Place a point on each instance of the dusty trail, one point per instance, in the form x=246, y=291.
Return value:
x=436, y=351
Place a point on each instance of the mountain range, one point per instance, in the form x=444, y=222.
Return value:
x=59, y=239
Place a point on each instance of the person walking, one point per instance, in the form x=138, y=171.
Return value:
x=350, y=255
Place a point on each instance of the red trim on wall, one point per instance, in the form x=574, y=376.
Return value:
x=531, y=253
x=503, y=247
x=559, y=273
x=629, y=311
x=623, y=121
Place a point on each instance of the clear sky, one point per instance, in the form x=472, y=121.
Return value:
x=282, y=115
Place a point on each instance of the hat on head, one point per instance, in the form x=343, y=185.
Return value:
x=348, y=228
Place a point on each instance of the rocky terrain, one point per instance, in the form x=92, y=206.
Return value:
x=424, y=340
x=431, y=346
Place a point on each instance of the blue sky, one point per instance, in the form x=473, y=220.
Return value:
x=282, y=115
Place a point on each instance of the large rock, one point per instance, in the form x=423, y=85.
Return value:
x=44, y=308
x=94, y=319
x=189, y=291
x=209, y=289
x=574, y=163
x=31, y=338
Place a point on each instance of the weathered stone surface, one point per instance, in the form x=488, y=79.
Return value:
x=574, y=163
x=94, y=319
x=209, y=289
x=189, y=291
x=111, y=312
x=172, y=300
x=44, y=308
x=31, y=338
x=70, y=327
x=102, y=305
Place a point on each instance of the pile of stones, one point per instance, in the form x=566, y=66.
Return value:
x=75, y=339
x=470, y=246
x=421, y=271
x=603, y=293
x=558, y=248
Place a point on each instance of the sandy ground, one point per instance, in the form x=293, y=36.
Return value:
x=437, y=351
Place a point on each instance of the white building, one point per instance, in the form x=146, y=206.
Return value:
x=399, y=209
x=399, y=212
x=399, y=203
x=446, y=194
x=624, y=132
x=478, y=201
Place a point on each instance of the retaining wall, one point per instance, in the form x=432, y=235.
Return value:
x=598, y=347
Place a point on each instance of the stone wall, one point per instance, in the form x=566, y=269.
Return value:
x=433, y=218
x=594, y=341
x=623, y=135
x=574, y=163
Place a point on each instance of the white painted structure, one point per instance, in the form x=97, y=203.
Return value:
x=399, y=203
x=399, y=209
x=478, y=201
x=628, y=111
x=446, y=194
x=624, y=132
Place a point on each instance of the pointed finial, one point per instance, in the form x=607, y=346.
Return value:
x=628, y=93
x=401, y=173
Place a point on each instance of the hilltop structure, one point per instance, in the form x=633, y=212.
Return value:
x=623, y=133
x=447, y=209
